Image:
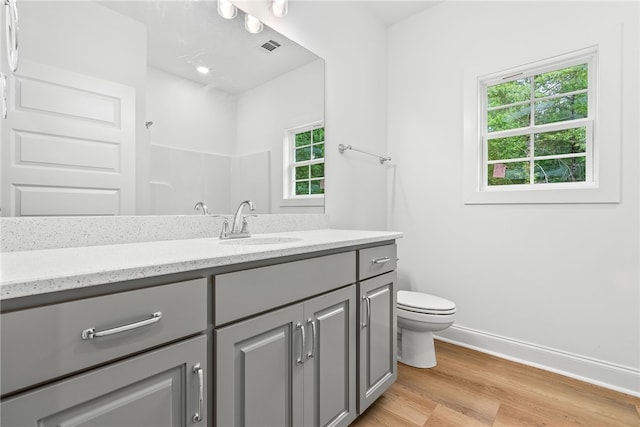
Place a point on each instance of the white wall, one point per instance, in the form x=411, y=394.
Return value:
x=353, y=44
x=188, y=115
x=265, y=113
x=180, y=178
x=190, y=144
x=554, y=285
x=234, y=142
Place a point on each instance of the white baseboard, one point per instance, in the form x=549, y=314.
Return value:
x=598, y=372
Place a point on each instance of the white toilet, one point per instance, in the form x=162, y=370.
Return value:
x=419, y=315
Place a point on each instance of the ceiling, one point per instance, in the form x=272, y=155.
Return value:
x=390, y=12
x=182, y=35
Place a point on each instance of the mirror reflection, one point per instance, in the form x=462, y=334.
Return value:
x=147, y=107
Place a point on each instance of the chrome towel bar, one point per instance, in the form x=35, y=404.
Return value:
x=342, y=148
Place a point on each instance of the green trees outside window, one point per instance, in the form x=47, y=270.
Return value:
x=308, y=162
x=538, y=127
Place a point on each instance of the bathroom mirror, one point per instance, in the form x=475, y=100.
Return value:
x=109, y=115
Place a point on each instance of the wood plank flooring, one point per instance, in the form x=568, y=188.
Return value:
x=468, y=388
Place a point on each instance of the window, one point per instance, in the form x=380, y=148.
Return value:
x=304, y=163
x=536, y=125
x=545, y=156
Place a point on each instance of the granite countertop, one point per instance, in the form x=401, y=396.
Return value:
x=27, y=273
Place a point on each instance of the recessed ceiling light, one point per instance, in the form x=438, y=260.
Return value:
x=203, y=70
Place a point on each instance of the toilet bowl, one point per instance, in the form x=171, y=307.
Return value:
x=419, y=315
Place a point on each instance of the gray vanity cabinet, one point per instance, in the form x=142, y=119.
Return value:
x=134, y=358
x=377, y=336
x=309, y=341
x=160, y=388
x=291, y=367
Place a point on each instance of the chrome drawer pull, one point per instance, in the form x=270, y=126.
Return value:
x=300, y=360
x=312, y=353
x=197, y=417
x=380, y=260
x=89, y=334
x=367, y=301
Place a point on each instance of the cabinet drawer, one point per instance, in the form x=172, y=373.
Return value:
x=44, y=343
x=377, y=260
x=157, y=388
x=249, y=292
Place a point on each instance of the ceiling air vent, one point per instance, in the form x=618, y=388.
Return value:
x=271, y=45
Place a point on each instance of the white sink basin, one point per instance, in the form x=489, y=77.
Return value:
x=261, y=241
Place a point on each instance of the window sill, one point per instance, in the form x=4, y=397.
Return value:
x=306, y=201
x=549, y=194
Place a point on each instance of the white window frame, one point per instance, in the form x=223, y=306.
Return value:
x=606, y=132
x=587, y=56
x=289, y=198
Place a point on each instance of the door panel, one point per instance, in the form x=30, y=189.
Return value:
x=256, y=373
x=149, y=403
x=379, y=333
x=330, y=371
x=154, y=389
x=377, y=337
x=266, y=350
x=68, y=144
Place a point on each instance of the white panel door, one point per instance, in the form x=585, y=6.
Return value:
x=68, y=144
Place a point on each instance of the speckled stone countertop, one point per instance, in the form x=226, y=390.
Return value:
x=27, y=273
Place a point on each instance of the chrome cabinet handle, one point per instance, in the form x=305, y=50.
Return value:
x=380, y=260
x=11, y=26
x=367, y=301
x=90, y=333
x=312, y=353
x=299, y=360
x=197, y=417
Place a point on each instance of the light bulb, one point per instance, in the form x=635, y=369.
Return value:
x=252, y=24
x=280, y=7
x=226, y=9
x=202, y=69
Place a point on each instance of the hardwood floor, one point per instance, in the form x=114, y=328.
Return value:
x=468, y=389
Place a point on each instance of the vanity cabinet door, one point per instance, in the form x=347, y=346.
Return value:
x=164, y=387
x=269, y=374
x=258, y=381
x=330, y=363
x=377, y=337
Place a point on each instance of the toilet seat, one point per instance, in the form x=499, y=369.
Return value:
x=418, y=302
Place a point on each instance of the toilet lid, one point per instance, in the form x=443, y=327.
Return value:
x=417, y=301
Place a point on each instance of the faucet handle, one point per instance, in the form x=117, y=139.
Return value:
x=224, y=231
x=244, y=222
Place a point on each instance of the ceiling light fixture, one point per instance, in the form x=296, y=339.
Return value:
x=280, y=7
x=252, y=24
x=203, y=70
x=226, y=9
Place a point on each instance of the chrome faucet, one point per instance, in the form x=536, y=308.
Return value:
x=200, y=205
x=239, y=224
